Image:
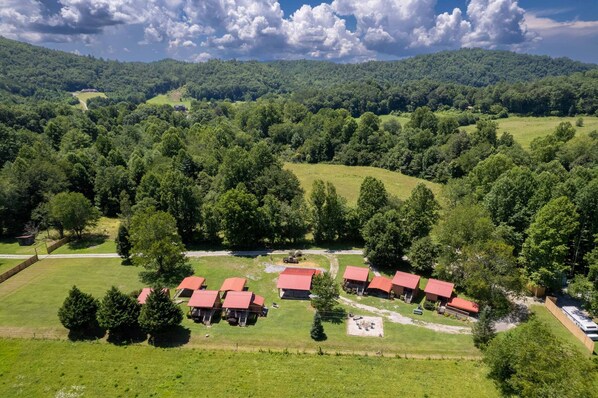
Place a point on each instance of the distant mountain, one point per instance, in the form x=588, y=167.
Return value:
x=32, y=71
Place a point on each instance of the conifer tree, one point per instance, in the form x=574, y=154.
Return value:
x=317, y=329
x=159, y=314
x=78, y=312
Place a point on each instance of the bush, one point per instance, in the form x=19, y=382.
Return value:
x=429, y=305
x=78, y=312
x=118, y=312
x=159, y=314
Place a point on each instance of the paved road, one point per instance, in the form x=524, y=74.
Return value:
x=199, y=253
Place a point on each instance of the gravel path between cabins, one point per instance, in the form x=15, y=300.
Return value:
x=395, y=317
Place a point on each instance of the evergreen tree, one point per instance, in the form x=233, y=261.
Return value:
x=483, y=330
x=123, y=244
x=159, y=313
x=78, y=311
x=317, y=329
x=118, y=312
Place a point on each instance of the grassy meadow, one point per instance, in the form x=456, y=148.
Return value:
x=348, y=179
x=61, y=368
x=99, y=239
x=174, y=97
x=83, y=97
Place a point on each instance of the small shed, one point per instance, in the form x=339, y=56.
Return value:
x=233, y=285
x=406, y=284
x=380, y=286
x=203, y=305
x=189, y=285
x=26, y=240
x=437, y=290
x=142, y=298
x=242, y=307
x=355, y=279
x=295, y=283
x=461, y=307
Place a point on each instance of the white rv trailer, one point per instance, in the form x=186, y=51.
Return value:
x=583, y=321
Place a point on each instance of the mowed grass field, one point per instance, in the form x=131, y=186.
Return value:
x=29, y=302
x=99, y=239
x=348, y=179
x=83, y=97
x=174, y=97
x=61, y=369
x=525, y=129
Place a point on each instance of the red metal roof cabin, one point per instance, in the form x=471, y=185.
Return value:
x=203, y=305
x=355, y=279
x=242, y=306
x=295, y=282
x=436, y=289
x=142, y=298
x=381, y=285
x=463, y=305
x=189, y=285
x=405, y=284
x=233, y=285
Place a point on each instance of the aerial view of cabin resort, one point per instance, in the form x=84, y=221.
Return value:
x=258, y=198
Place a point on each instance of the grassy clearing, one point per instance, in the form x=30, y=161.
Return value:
x=348, y=179
x=11, y=246
x=99, y=239
x=30, y=300
x=51, y=368
x=83, y=97
x=525, y=129
x=174, y=97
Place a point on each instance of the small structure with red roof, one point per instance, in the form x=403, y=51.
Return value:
x=380, y=286
x=242, y=307
x=203, y=305
x=438, y=290
x=145, y=292
x=233, y=285
x=296, y=282
x=355, y=279
x=189, y=285
x=461, y=307
x=405, y=284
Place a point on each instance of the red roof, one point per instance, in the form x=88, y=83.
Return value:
x=142, y=298
x=241, y=300
x=463, y=304
x=192, y=283
x=356, y=273
x=381, y=283
x=439, y=288
x=233, y=284
x=300, y=271
x=204, y=298
x=294, y=282
x=410, y=281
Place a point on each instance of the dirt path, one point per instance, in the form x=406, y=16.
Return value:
x=333, y=265
x=395, y=317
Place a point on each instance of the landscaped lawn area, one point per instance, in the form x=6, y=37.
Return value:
x=99, y=239
x=29, y=302
x=11, y=246
x=348, y=179
x=6, y=264
x=526, y=128
x=60, y=368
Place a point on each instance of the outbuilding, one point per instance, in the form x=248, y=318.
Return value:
x=437, y=290
x=145, y=292
x=189, y=285
x=380, y=286
x=461, y=307
x=355, y=279
x=203, y=305
x=406, y=285
x=233, y=285
x=295, y=283
x=242, y=307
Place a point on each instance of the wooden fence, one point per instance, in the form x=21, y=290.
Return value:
x=57, y=244
x=18, y=268
x=551, y=306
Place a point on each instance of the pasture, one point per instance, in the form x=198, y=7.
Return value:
x=99, y=239
x=525, y=128
x=174, y=97
x=61, y=368
x=83, y=97
x=29, y=302
x=348, y=179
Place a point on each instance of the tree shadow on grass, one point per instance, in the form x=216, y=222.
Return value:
x=87, y=241
x=175, y=337
x=337, y=316
x=130, y=336
x=93, y=333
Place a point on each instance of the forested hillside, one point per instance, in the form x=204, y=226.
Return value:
x=468, y=77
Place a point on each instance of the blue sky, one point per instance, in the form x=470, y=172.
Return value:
x=335, y=30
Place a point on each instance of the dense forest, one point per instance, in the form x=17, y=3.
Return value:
x=511, y=216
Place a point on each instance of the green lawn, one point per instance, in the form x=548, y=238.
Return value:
x=83, y=97
x=30, y=300
x=348, y=179
x=542, y=314
x=525, y=128
x=6, y=264
x=60, y=368
x=11, y=246
x=172, y=98
x=99, y=239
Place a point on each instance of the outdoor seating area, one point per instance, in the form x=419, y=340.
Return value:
x=295, y=283
x=365, y=326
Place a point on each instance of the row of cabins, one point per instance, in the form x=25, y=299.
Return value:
x=232, y=300
x=405, y=285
